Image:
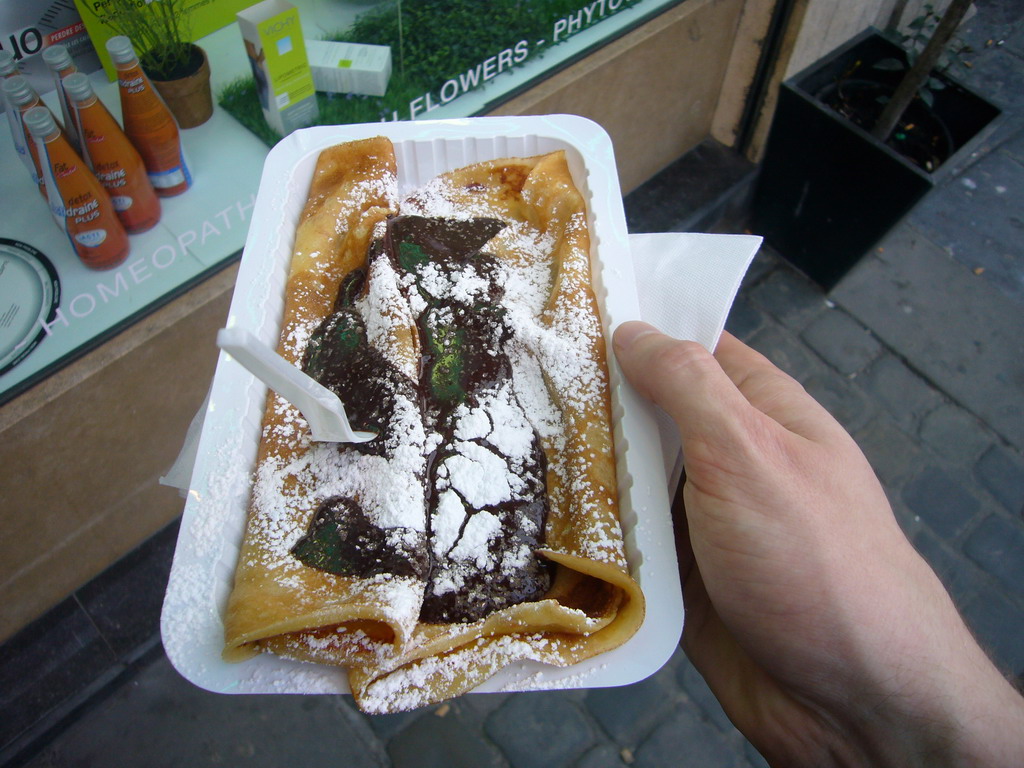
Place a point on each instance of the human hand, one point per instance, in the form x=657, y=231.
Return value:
x=827, y=639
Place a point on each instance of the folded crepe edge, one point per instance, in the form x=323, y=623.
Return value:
x=314, y=276
x=432, y=678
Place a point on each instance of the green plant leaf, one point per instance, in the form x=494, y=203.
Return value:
x=411, y=255
x=159, y=32
x=446, y=346
x=342, y=540
x=341, y=338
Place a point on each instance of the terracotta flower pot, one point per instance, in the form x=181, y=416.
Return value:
x=189, y=98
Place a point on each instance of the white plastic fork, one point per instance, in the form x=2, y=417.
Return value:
x=324, y=411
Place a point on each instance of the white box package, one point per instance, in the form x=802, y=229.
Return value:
x=272, y=34
x=349, y=67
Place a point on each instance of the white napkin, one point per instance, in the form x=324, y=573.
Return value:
x=686, y=285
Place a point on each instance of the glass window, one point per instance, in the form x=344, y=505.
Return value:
x=444, y=59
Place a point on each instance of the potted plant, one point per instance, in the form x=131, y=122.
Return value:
x=857, y=139
x=178, y=68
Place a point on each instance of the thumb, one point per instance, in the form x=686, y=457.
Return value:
x=681, y=377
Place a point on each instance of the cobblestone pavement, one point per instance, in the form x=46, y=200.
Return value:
x=918, y=353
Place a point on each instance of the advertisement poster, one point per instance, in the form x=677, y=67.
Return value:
x=202, y=18
x=27, y=28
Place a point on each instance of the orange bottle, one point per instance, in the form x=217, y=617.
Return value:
x=112, y=158
x=61, y=65
x=21, y=97
x=77, y=199
x=9, y=68
x=148, y=122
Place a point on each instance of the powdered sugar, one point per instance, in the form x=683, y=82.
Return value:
x=384, y=312
x=463, y=286
x=446, y=523
x=412, y=685
x=499, y=419
x=478, y=475
x=481, y=528
x=471, y=423
x=389, y=489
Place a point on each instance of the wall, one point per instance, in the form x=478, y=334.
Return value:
x=81, y=453
x=828, y=24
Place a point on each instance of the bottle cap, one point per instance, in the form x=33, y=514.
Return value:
x=57, y=57
x=40, y=122
x=121, y=50
x=77, y=86
x=7, y=63
x=18, y=91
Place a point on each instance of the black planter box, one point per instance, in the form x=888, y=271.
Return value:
x=828, y=191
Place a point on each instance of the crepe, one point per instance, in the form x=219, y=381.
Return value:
x=481, y=527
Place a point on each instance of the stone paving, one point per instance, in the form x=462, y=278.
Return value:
x=918, y=353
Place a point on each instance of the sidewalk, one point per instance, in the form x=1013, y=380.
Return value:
x=919, y=353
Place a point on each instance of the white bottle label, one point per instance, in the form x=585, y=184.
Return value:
x=166, y=179
x=18, y=134
x=121, y=202
x=91, y=238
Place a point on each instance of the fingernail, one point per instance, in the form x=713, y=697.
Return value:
x=627, y=334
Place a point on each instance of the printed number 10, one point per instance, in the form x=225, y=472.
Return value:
x=25, y=42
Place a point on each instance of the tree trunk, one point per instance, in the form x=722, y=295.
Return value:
x=922, y=69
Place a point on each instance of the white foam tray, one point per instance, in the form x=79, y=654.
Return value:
x=214, y=518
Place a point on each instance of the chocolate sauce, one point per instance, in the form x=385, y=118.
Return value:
x=339, y=357
x=499, y=584
x=462, y=334
x=341, y=540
